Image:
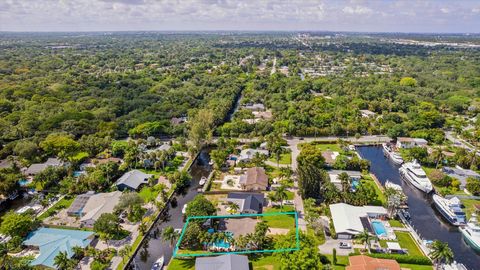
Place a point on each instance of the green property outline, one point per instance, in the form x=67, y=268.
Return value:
x=297, y=237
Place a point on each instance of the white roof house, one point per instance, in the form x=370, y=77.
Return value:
x=248, y=154
x=334, y=179
x=367, y=113
x=405, y=142
x=350, y=220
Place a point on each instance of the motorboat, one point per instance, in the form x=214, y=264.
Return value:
x=391, y=185
x=450, y=209
x=158, y=264
x=471, y=233
x=391, y=154
x=203, y=180
x=413, y=173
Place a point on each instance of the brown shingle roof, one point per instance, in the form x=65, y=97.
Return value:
x=256, y=175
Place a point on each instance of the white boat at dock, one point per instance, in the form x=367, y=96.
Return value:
x=413, y=173
x=391, y=154
x=450, y=209
x=471, y=233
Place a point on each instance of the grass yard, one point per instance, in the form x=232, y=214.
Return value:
x=329, y=146
x=285, y=159
x=264, y=262
x=342, y=262
x=406, y=241
x=396, y=223
x=181, y=264
x=62, y=204
x=415, y=266
x=290, y=195
x=469, y=206
x=381, y=200
x=280, y=221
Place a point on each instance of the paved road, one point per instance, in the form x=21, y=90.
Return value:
x=460, y=142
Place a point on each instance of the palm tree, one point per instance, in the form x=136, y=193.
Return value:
x=169, y=234
x=281, y=194
x=78, y=252
x=142, y=228
x=441, y=253
x=125, y=252
x=437, y=156
x=62, y=261
x=364, y=237
x=345, y=182
x=233, y=207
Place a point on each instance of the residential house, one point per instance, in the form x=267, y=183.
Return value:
x=354, y=176
x=330, y=157
x=363, y=262
x=350, y=220
x=254, y=179
x=254, y=107
x=266, y=115
x=246, y=155
x=405, y=142
x=178, y=120
x=50, y=242
x=461, y=174
x=249, y=203
x=89, y=207
x=132, y=180
x=222, y=262
x=39, y=167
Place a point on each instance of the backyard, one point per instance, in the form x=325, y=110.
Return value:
x=280, y=221
x=62, y=204
x=405, y=241
x=285, y=159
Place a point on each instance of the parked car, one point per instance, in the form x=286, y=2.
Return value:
x=345, y=245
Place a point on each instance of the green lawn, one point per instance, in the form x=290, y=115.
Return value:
x=265, y=262
x=381, y=200
x=62, y=204
x=396, y=223
x=415, y=266
x=406, y=241
x=285, y=159
x=280, y=221
x=469, y=206
x=181, y=264
x=290, y=195
x=342, y=262
x=329, y=146
x=149, y=194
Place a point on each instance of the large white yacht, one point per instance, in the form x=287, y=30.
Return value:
x=413, y=173
x=450, y=209
x=392, y=155
x=471, y=233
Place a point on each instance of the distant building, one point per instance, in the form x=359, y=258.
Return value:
x=246, y=155
x=254, y=107
x=39, y=167
x=350, y=220
x=132, y=180
x=266, y=115
x=51, y=241
x=405, y=142
x=254, y=179
x=330, y=157
x=249, y=203
x=89, y=206
x=461, y=174
x=334, y=179
x=367, y=113
x=222, y=262
x=362, y=262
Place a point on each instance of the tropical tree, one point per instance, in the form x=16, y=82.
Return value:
x=63, y=262
x=441, y=252
x=234, y=207
x=395, y=198
x=364, y=237
x=281, y=194
x=437, y=156
x=170, y=235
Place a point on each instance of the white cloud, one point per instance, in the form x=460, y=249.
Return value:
x=357, y=10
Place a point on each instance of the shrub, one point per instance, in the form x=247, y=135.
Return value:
x=421, y=260
x=473, y=186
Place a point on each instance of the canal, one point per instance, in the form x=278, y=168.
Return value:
x=158, y=247
x=425, y=219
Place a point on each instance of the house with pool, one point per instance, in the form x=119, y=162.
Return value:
x=354, y=177
x=350, y=220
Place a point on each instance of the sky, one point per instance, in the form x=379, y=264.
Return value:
x=439, y=16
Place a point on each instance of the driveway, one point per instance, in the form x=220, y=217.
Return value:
x=330, y=244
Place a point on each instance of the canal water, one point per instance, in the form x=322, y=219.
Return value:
x=158, y=247
x=425, y=219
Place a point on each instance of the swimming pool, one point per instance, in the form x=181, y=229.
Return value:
x=355, y=183
x=23, y=182
x=379, y=228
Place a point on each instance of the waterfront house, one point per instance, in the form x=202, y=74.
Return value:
x=362, y=262
x=350, y=220
x=39, y=167
x=461, y=174
x=367, y=113
x=330, y=157
x=246, y=155
x=132, y=180
x=49, y=242
x=249, y=203
x=353, y=175
x=406, y=143
x=89, y=206
x=254, y=107
x=222, y=262
x=254, y=179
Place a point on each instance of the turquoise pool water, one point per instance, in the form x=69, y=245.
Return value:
x=77, y=173
x=355, y=183
x=23, y=182
x=379, y=228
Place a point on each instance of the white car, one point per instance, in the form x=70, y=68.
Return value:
x=345, y=245
x=184, y=209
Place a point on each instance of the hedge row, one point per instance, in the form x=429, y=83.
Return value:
x=421, y=260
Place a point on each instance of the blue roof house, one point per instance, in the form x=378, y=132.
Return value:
x=51, y=241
